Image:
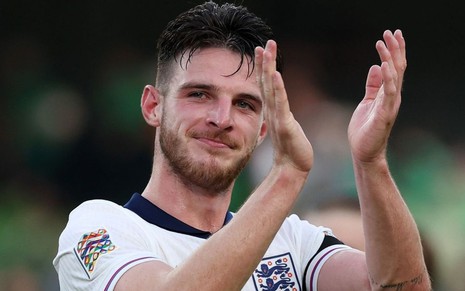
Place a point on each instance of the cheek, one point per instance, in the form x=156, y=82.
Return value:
x=173, y=117
x=169, y=125
x=183, y=124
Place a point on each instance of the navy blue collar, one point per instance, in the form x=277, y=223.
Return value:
x=154, y=215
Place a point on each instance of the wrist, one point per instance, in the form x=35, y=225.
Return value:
x=286, y=179
x=378, y=163
x=287, y=172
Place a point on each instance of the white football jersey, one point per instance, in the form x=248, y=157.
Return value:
x=102, y=240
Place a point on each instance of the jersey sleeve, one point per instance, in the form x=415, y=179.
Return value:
x=99, y=243
x=316, y=244
x=328, y=248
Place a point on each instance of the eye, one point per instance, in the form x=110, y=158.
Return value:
x=244, y=104
x=197, y=94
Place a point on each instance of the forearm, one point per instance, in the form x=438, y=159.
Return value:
x=393, y=248
x=227, y=260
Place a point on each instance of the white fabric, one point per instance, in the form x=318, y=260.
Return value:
x=114, y=239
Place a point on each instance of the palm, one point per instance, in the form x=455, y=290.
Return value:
x=291, y=146
x=369, y=128
x=374, y=117
x=290, y=143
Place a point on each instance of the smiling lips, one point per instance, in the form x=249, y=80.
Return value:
x=217, y=143
x=215, y=140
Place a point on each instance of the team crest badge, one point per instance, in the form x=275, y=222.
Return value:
x=276, y=273
x=91, y=247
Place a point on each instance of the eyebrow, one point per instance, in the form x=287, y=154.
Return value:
x=210, y=87
x=193, y=85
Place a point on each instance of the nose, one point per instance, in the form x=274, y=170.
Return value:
x=220, y=114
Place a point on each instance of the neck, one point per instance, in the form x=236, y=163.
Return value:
x=195, y=206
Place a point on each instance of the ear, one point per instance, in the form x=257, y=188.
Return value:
x=262, y=134
x=150, y=105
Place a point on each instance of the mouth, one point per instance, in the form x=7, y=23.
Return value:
x=216, y=143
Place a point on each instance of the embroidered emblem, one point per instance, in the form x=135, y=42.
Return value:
x=91, y=246
x=276, y=273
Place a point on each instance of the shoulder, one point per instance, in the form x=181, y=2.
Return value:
x=301, y=236
x=96, y=214
x=299, y=227
x=100, y=241
x=96, y=206
x=100, y=218
x=101, y=212
x=311, y=241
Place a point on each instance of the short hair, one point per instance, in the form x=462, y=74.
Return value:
x=211, y=25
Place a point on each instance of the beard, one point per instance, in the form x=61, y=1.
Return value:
x=208, y=173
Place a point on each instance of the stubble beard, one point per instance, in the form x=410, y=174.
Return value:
x=209, y=174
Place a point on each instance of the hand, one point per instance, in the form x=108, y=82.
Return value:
x=291, y=146
x=374, y=117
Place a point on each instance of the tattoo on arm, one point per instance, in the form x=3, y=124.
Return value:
x=400, y=286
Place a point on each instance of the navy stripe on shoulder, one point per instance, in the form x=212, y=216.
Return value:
x=328, y=240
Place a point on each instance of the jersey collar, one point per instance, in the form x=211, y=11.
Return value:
x=154, y=215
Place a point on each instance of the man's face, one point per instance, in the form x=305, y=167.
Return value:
x=211, y=120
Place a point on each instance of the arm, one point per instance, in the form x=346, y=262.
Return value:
x=394, y=257
x=243, y=242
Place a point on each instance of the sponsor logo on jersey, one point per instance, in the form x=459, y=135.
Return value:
x=91, y=247
x=276, y=273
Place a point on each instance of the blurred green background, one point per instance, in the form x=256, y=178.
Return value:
x=71, y=75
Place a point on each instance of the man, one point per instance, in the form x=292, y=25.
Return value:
x=218, y=93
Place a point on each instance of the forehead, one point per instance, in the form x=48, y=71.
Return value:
x=216, y=66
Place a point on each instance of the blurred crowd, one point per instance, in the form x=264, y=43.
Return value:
x=63, y=142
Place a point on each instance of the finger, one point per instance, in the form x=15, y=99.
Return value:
x=392, y=53
x=373, y=83
x=268, y=69
x=281, y=101
x=389, y=84
x=386, y=57
x=402, y=47
x=258, y=76
x=259, y=63
x=387, y=49
x=272, y=47
x=388, y=73
x=396, y=47
x=401, y=57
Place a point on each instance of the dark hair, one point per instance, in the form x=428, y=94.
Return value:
x=211, y=25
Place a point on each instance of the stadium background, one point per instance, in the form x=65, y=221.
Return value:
x=71, y=74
